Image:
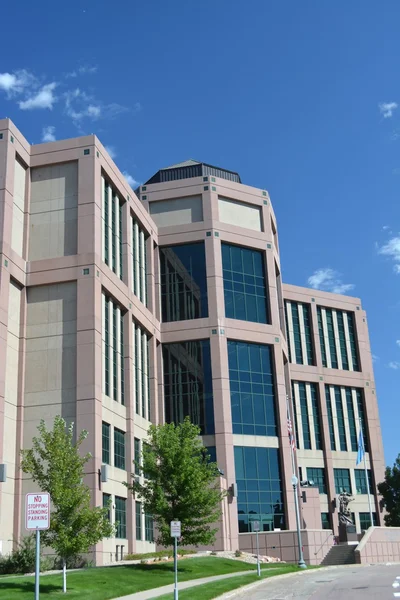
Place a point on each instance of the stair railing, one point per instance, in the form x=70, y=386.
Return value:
x=323, y=543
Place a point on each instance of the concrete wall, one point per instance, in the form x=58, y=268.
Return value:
x=18, y=217
x=379, y=545
x=239, y=213
x=53, y=211
x=177, y=211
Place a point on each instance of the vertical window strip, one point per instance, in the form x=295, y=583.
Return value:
x=307, y=331
x=119, y=449
x=106, y=346
x=340, y=419
x=144, y=373
x=114, y=364
x=296, y=333
x=330, y=417
x=105, y=439
x=115, y=349
x=149, y=528
x=321, y=337
x=113, y=234
x=296, y=424
x=331, y=338
x=120, y=208
x=316, y=415
x=137, y=455
x=136, y=367
x=120, y=517
x=122, y=360
x=287, y=333
x=361, y=415
x=106, y=227
x=138, y=510
x=148, y=380
x=352, y=420
x=342, y=340
x=352, y=337
x=304, y=416
x=139, y=261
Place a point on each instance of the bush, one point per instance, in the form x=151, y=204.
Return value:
x=22, y=559
x=238, y=554
x=160, y=554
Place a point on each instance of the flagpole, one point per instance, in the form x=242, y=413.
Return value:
x=367, y=478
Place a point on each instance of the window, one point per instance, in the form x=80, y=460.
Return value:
x=244, y=284
x=183, y=282
x=188, y=383
x=351, y=420
x=106, y=503
x=317, y=475
x=212, y=453
x=361, y=415
x=138, y=509
x=148, y=528
x=139, y=260
x=325, y=521
x=340, y=418
x=113, y=350
x=305, y=394
x=252, y=386
x=141, y=377
x=105, y=441
x=119, y=448
x=365, y=520
x=120, y=517
x=352, y=399
x=259, y=488
x=137, y=456
x=316, y=416
x=342, y=480
x=330, y=418
x=337, y=339
x=361, y=482
x=112, y=211
x=299, y=333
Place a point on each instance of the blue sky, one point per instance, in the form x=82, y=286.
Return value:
x=299, y=97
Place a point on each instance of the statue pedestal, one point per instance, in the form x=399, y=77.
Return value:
x=347, y=533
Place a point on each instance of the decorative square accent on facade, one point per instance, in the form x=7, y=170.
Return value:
x=205, y=188
x=269, y=246
x=12, y=139
x=312, y=299
x=214, y=331
x=216, y=233
x=144, y=197
x=372, y=391
x=277, y=339
x=214, y=189
x=130, y=304
x=363, y=320
x=266, y=202
x=357, y=308
x=144, y=188
x=5, y=262
x=86, y=271
x=97, y=154
x=264, y=193
x=86, y=151
x=367, y=383
x=98, y=273
x=213, y=179
x=321, y=378
x=208, y=233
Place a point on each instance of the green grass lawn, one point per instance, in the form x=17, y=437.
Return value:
x=111, y=582
x=207, y=591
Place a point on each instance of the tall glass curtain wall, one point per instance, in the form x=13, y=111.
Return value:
x=111, y=222
x=338, y=339
x=113, y=350
x=245, y=288
x=252, y=387
x=141, y=371
x=188, y=384
x=139, y=260
x=183, y=282
x=345, y=408
x=259, y=482
x=306, y=416
x=299, y=333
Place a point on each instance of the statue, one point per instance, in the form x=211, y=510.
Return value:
x=344, y=512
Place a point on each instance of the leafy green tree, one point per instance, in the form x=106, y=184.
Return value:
x=180, y=483
x=390, y=492
x=56, y=465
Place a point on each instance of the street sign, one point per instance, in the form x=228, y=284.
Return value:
x=175, y=529
x=256, y=525
x=37, y=511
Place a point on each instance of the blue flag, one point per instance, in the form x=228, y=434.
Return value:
x=361, y=450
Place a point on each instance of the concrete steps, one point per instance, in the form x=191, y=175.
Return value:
x=340, y=555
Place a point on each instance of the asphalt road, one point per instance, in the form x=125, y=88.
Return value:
x=331, y=583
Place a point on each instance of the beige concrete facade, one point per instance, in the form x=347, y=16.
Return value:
x=81, y=333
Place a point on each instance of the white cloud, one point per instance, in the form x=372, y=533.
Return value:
x=130, y=180
x=17, y=82
x=394, y=364
x=111, y=151
x=375, y=358
x=392, y=249
x=93, y=111
x=79, y=105
x=398, y=342
x=44, y=98
x=84, y=70
x=48, y=134
x=386, y=109
x=329, y=280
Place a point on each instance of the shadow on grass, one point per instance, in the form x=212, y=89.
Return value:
x=28, y=586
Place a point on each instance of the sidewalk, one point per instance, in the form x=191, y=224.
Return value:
x=169, y=589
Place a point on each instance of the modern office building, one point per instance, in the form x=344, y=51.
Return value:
x=119, y=309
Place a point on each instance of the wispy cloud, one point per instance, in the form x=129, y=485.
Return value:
x=44, y=98
x=131, y=181
x=329, y=280
x=17, y=82
x=392, y=250
x=398, y=342
x=111, y=151
x=79, y=106
x=375, y=358
x=48, y=134
x=83, y=70
x=386, y=109
x=394, y=364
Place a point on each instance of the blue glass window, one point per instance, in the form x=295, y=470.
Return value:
x=326, y=521
x=365, y=520
x=120, y=517
x=188, y=384
x=361, y=482
x=340, y=419
x=183, y=282
x=342, y=480
x=244, y=284
x=317, y=475
x=259, y=483
x=252, y=386
x=330, y=418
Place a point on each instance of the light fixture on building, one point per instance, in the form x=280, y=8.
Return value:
x=104, y=473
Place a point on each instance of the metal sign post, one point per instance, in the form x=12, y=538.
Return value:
x=256, y=528
x=175, y=533
x=37, y=517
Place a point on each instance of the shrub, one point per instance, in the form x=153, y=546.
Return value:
x=238, y=554
x=22, y=559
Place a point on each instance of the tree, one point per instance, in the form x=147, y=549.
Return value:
x=390, y=492
x=180, y=483
x=55, y=464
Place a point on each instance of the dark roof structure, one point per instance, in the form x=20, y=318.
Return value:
x=192, y=168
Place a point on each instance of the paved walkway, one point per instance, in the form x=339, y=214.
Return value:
x=184, y=585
